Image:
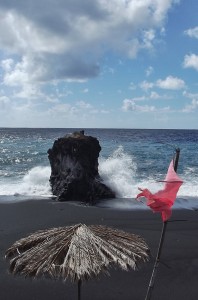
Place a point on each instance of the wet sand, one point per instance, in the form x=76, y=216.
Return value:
x=177, y=276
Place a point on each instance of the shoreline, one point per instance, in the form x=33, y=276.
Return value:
x=176, y=277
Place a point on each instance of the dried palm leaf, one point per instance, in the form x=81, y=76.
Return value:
x=79, y=252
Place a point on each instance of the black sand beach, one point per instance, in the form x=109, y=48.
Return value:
x=177, y=277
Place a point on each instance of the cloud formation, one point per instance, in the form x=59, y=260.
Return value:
x=191, y=61
x=131, y=105
x=169, y=83
x=66, y=40
x=192, y=32
x=193, y=106
x=47, y=47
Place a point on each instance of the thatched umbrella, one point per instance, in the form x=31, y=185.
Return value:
x=79, y=252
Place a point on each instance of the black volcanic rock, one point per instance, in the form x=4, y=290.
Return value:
x=74, y=169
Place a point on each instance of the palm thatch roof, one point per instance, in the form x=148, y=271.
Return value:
x=78, y=252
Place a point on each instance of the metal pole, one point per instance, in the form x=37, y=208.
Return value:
x=157, y=260
x=176, y=159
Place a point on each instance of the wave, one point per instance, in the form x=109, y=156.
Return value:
x=118, y=171
x=34, y=183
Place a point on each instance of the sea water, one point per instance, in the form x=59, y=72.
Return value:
x=130, y=158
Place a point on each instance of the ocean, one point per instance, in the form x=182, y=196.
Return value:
x=130, y=158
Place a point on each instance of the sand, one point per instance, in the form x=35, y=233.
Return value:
x=177, y=276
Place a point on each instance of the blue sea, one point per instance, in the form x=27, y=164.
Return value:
x=130, y=158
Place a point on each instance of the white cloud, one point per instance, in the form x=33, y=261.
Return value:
x=62, y=109
x=149, y=71
x=194, y=103
x=148, y=38
x=130, y=105
x=43, y=48
x=191, y=107
x=30, y=91
x=83, y=105
x=155, y=95
x=77, y=109
x=145, y=85
x=7, y=64
x=47, y=112
x=4, y=103
x=171, y=83
x=65, y=41
x=21, y=35
x=190, y=95
x=192, y=32
x=191, y=61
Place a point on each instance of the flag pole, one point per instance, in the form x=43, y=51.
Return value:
x=176, y=159
x=157, y=260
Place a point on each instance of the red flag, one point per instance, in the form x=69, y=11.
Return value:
x=163, y=200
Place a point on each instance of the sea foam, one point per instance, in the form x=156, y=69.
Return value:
x=118, y=171
x=34, y=183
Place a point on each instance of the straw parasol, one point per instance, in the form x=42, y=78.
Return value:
x=79, y=252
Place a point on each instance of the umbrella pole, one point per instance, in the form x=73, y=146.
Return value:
x=157, y=260
x=79, y=289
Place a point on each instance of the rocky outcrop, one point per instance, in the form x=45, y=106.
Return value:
x=74, y=169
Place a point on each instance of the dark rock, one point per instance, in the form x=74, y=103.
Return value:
x=74, y=169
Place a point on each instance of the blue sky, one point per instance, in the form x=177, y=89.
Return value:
x=109, y=64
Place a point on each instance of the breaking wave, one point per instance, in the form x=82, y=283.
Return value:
x=34, y=183
x=118, y=171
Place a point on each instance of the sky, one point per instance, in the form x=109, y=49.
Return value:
x=99, y=64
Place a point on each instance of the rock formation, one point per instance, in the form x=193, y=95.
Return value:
x=74, y=169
